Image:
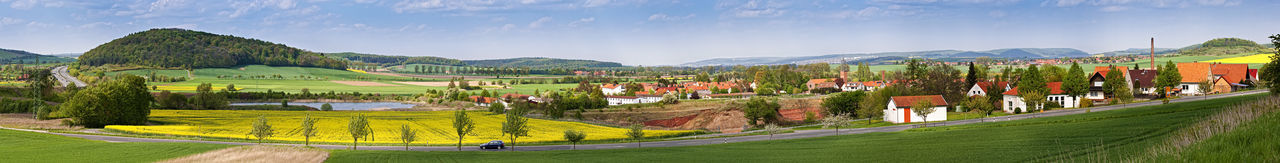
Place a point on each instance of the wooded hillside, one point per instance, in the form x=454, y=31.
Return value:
x=181, y=48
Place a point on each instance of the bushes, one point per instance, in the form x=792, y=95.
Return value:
x=326, y=107
x=18, y=106
x=124, y=100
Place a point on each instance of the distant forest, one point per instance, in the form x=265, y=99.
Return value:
x=542, y=63
x=1223, y=46
x=395, y=60
x=180, y=48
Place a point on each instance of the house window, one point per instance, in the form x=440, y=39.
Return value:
x=1097, y=84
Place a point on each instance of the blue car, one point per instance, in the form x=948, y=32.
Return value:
x=496, y=144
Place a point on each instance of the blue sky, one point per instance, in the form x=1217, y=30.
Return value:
x=645, y=32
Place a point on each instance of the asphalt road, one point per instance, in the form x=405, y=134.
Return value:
x=64, y=77
x=675, y=143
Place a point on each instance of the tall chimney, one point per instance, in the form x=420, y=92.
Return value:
x=1153, y=53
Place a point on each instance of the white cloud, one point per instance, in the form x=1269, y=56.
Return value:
x=1114, y=8
x=366, y=1
x=23, y=4
x=538, y=23
x=582, y=21
x=595, y=3
x=10, y=21
x=665, y=17
x=185, y=26
x=756, y=8
x=1112, y=5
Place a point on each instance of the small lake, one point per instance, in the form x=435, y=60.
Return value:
x=341, y=105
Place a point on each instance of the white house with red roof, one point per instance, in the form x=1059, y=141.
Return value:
x=980, y=88
x=613, y=89
x=899, y=109
x=622, y=100
x=1056, y=95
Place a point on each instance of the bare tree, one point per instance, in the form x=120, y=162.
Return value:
x=636, y=133
x=462, y=125
x=836, y=120
x=1205, y=88
x=308, y=129
x=261, y=129
x=358, y=127
x=407, y=135
x=772, y=129
x=923, y=108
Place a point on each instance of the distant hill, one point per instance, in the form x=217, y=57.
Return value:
x=540, y=62
x=395, y=60
x=68, y=55
x=195, y=49
x=1223, y=46
x=837, y=58
x=8, y=56
x=1140, y=51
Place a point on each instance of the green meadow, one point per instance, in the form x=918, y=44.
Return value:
x=22, y=146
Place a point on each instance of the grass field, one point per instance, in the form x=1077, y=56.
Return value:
x=1107, y=136
x=316, y=80
x=1254, y=141
x=435, y=126
x=1089, y=67
x=22, y=146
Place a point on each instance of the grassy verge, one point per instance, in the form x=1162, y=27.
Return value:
x=1108, y=134
x=22, y=146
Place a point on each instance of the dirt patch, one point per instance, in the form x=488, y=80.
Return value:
x=364, y=83
x=435, y=84
x=724, y=121
x=673, y=122
x=29, y=121
x=257, y=154
x=794, y=109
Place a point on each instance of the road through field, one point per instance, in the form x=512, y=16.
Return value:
x=64, y=77
x=691, y=142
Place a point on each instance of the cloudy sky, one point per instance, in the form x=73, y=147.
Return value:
x=645, y=32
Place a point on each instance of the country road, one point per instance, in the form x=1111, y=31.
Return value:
x=64, y=77
x=691, y=142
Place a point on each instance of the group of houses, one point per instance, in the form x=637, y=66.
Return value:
x=1223, y=78
x=617, y=94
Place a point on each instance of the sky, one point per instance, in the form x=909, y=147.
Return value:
x=645, y=32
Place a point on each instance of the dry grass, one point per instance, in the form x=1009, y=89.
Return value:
x=29, y=121
x=436, y=84
x=1219, y=123
x=257, y=154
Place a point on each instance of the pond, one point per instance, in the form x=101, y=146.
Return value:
x=341, y=105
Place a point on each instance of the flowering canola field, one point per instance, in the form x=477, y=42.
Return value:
x=1257, y=58
x=434, y=127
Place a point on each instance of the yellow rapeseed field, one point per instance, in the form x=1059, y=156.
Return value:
x=1256, y=58
x=435, y=127
x=359, y=71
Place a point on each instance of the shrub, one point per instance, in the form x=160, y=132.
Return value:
x=124, y=100
x=1017, y=110
x=809, y=117
x=42, y=112
x=326, y=107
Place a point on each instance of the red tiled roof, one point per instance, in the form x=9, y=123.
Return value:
x=1055, y=88
x=480, y=99
x=1104, y=69
x=610, y=86
x=1253, y=73
x=622, y=97
x=1233, y=72
x=985, y=85
x=816, y=81
x=516, y=96
x=1144, y=78
x=1194, y=72
x=824, y=85
x=907, y=101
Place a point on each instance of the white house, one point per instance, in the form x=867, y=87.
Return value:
x=851, y=86
x=899, y=109
x=613, y=89
x=1056, y=95
x=622, y=100
x=980, y=88
x=1192, y=75
x=649, y=98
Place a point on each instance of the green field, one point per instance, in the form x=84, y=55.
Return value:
x=1109, y=136
x=1089, y=67
x=316, y=80
x=22, y=146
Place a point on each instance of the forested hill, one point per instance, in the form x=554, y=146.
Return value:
x=1223, y=46
x=395, y=60
x=8, y=56
x=539, y=62
x=195, y=49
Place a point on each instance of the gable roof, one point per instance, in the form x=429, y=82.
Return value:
x=1055, y=88
x=816, y=81
x=481, y=99
x=1253, y=73
x=985, y=85
x=1233, y=72
x=1194, y=72
x=1143, y=78
x=514, y=96
x=907, y=101
x=1104, y=69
